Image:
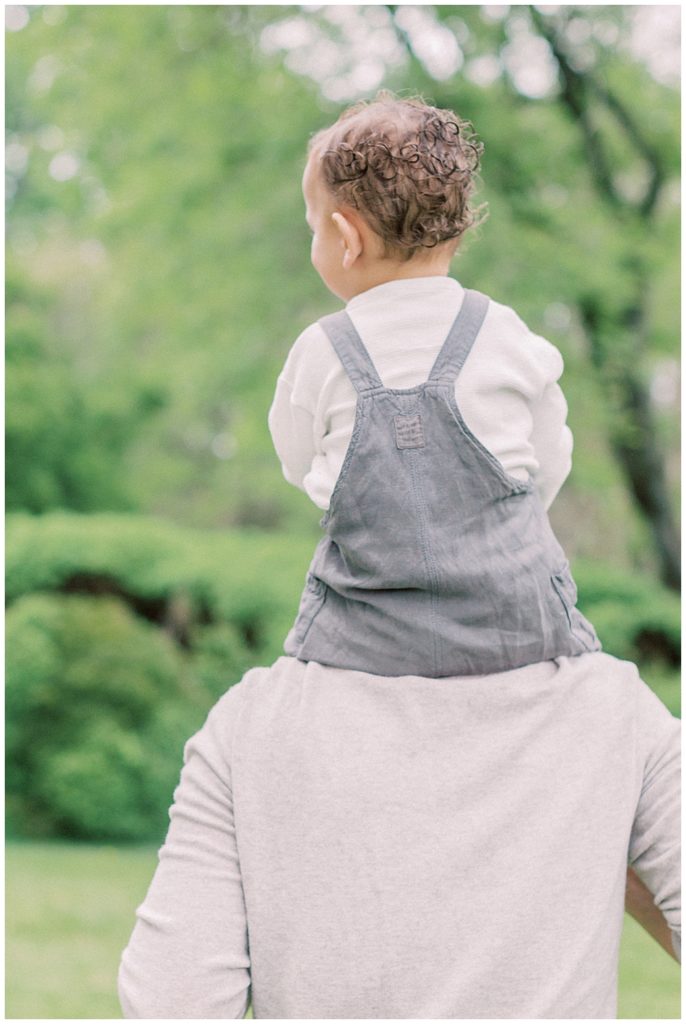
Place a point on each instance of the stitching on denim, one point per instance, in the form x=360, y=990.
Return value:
x=514, y=485
x=413, y=455
x=320, y=591
x=557, y=579
x=461, y=337
x=360, y=414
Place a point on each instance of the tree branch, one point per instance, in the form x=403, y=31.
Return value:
x=575, y=88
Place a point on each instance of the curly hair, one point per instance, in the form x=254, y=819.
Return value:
x=408, y=168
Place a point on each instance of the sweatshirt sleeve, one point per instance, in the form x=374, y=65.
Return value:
x=292, y=430
x=552, y=442
x=655, y=844
x=188, y=954
x=292, y=413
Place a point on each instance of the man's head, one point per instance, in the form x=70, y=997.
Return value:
x=398, y=173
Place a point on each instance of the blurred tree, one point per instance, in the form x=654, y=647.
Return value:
x=63, y=441
x=583, y=206
x=632, y=158
x=154, y=160
x=618, y=336
x=156, y=191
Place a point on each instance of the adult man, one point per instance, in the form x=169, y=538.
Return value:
x=355, y=846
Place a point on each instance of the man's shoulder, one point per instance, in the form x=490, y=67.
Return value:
x=615, y=687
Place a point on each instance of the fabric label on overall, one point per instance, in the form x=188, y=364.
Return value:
x=409, y=432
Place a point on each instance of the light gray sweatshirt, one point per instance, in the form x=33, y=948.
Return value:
x=352, y=846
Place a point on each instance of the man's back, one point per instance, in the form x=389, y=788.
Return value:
x=427, y=848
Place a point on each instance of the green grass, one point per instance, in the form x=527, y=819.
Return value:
x=70, y=910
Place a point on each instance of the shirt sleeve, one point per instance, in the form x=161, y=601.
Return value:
x=552, y=442
x=292, y=417
x=292, y=430
x=188, y=954
x=655, y=844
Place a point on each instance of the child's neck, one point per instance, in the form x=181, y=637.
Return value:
x=384, y=271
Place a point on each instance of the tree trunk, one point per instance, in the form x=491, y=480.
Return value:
x=633, y=435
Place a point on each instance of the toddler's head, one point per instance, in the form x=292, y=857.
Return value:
x=400, y=174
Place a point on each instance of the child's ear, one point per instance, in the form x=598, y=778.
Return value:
x=351, y=238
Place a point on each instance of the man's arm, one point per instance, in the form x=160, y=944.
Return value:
x=641, y=906
x=188, y=954
x=655, y=844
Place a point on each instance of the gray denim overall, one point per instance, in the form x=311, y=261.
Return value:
x=435, y=561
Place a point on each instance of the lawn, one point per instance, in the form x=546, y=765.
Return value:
x=70, y=911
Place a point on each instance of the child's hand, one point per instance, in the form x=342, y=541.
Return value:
x=639, y=904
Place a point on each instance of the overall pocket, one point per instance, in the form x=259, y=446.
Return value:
x=565, y=587
x=311, y=602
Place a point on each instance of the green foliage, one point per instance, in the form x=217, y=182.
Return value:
x=187, y=203
x=121, y=633
x=248, y=579
x=98, y=707
x=634, y=618
x=101, y=693
x=152, y=298
x=176, y=257
x=62, y=443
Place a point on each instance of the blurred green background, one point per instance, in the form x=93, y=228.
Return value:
x=157, y=272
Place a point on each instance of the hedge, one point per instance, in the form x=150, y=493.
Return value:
x=122, y=631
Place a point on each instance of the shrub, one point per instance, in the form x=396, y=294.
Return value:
x=123, y=630
x=635, y=617
x=248, y=579
x=99, y=704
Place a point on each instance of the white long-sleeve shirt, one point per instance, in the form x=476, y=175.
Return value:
x=507, y=391
x=353, y=846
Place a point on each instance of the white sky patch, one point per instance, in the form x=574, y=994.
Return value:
x=16, y=157
x=530, y=64
x=434, y=44
x=64, y=166
x=579, y=30
x=494, y=12
x=223, y=446
x=50, y=137
x=16, y=17
x=348, y=60
x=656, y=40
x=44, y=72
x=289, y=34
x=484, y=70
x=664, y=385
x=53, y=14
x=349, y=49
x=558, y=316
x=606, y=32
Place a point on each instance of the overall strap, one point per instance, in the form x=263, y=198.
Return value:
x=461, y=337
x=353, y=355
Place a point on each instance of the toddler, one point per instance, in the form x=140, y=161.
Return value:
x=425, y=419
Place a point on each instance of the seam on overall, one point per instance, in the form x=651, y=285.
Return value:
x=360, y=414
x=569, y=606
x=414, y=454
x=515, y=486
x=315, y=614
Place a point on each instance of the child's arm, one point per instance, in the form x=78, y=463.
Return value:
x=552, y=442
x=292, y=430
x=292, y=417
x=641, y=906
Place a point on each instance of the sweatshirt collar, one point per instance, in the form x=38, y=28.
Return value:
x=413, y=288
